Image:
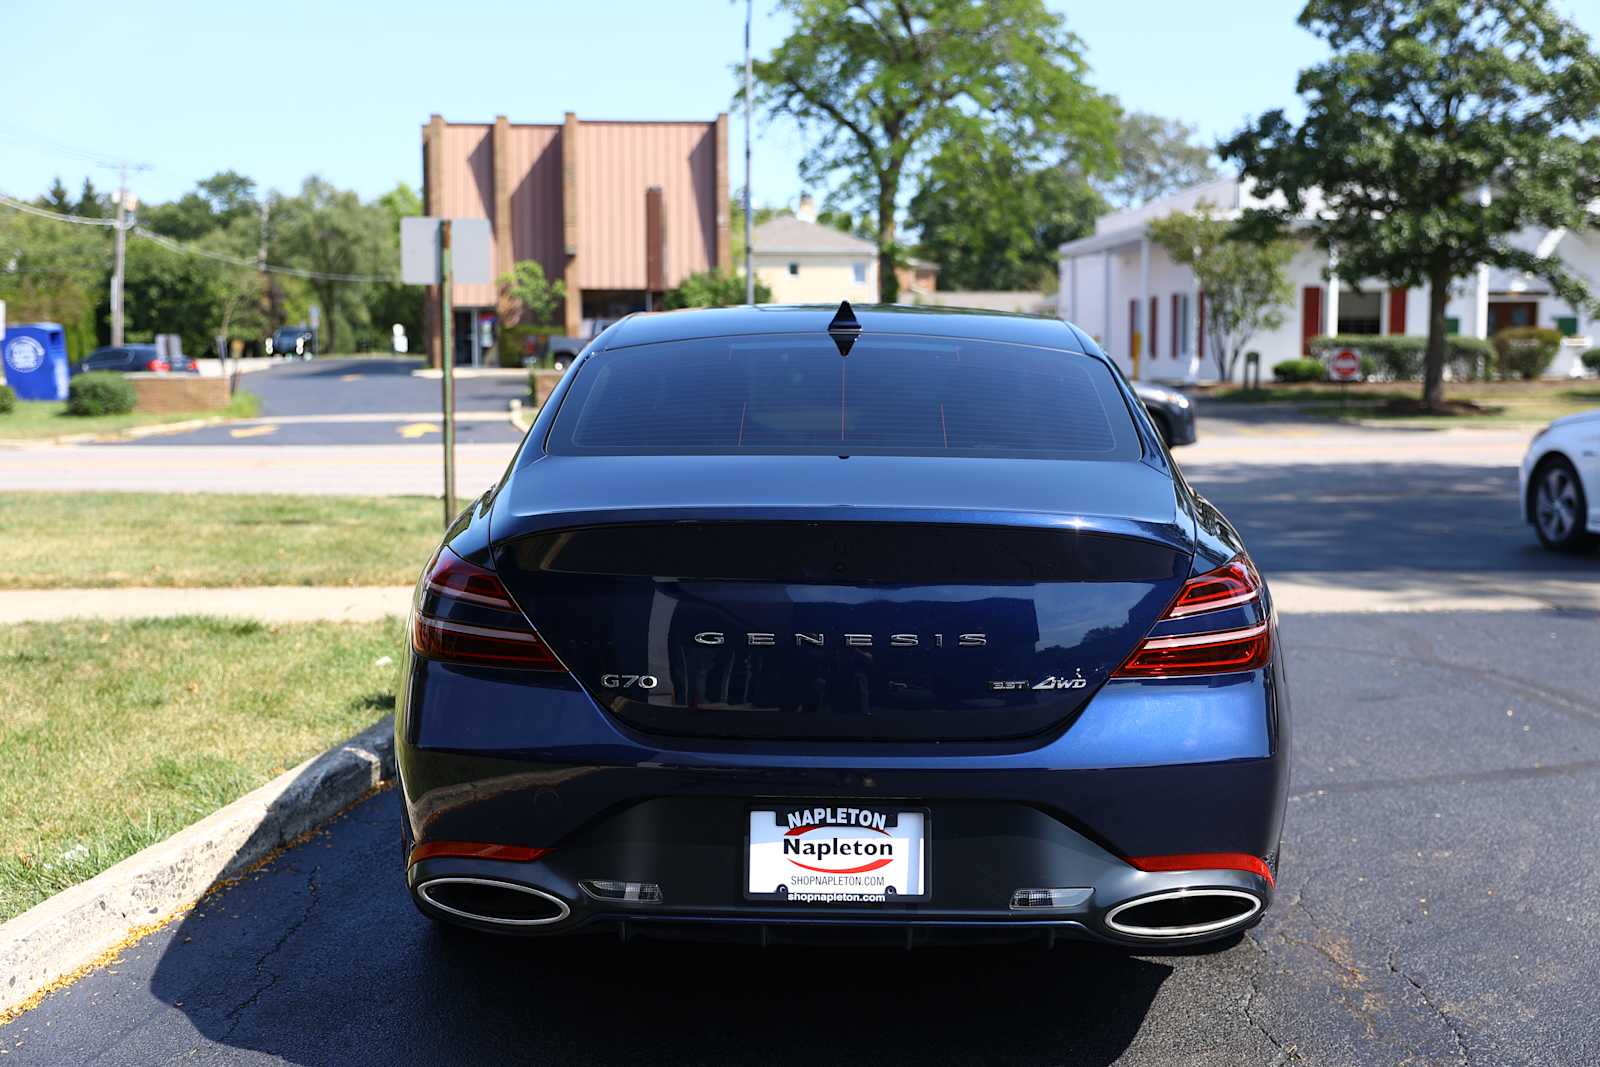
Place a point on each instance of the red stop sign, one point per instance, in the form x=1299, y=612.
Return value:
x=1345, y=366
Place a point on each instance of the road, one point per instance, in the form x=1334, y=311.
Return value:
x=1438, y=901
x=360, y=402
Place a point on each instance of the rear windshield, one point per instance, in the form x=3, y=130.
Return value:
x=794, y=394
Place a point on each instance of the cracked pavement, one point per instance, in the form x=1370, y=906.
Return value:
x=1437, y=905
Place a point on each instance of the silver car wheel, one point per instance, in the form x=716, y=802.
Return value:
x=1556, y=506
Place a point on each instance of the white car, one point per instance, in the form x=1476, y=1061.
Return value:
x=1561, y=482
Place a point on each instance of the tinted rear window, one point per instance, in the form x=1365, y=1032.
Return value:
x=794, y=394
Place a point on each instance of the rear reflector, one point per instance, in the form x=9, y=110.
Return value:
x=476, y=850
x=631, y=892
x=1047, y=899
x=1246, y=648
x=466, y=616
x=1205, y=861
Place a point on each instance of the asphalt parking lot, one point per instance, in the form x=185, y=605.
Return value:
x=1437, y=901
x=338, y=402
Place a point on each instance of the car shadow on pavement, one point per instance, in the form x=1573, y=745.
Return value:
x=1365, y=517
x=321, y=958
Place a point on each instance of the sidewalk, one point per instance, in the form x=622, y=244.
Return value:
x=267, y=603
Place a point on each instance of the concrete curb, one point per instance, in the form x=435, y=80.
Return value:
x=75, y=927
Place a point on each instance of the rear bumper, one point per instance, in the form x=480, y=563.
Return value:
x=1148, y=769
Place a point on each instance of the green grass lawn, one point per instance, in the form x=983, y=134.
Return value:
x=100, y=540
x=36, y=419
x=1503, y=403
x=115, y=735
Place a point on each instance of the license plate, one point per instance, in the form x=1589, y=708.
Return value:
x=837, y=854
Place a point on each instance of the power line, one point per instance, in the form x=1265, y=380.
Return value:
x=44, y=213
x=193, y=250
x=241, y=261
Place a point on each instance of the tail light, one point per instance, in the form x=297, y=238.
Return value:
x=1240, y=648
x=158, y=365
x=466, y=616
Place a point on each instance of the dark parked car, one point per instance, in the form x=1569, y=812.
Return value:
x=893, y=624
x=1170, y=410
x=292, y=342
x=128, y=358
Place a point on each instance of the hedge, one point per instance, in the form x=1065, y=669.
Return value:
x=1400, y=356
x=99, y=393
x=8, y=400
x=1591, y=359
x=1526, y=352
x=1299, y=370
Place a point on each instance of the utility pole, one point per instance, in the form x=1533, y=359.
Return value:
x=122, y=251
x=749, y=275
x=118, y=273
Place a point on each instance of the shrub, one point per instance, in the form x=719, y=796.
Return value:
x=1591, y=359
x=99, y=393
x=1526, y=351
x=1299, y=370
x=8, y=400
x=1469, y=358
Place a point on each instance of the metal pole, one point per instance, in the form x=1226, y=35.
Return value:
x=121, y=256
x=447, y=359
x=749, y=274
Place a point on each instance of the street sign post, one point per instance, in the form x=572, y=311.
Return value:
x=1344, y=368
x=441, y=252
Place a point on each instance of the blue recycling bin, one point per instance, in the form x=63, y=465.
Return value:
x=34, y=358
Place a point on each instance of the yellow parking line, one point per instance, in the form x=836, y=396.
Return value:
x=417, y=429
x=252, y=431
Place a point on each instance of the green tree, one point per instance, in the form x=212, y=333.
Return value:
x=93, y=204
x=1245, y=283
x=537, y=295
x=56, y=198
x=880, y=85
x=329, y=230
x=172, y=292
x=1424, y=109
x=712, y=289
x=1156, y=156
x=992, y=222
x=393, y=302
x=54, y=272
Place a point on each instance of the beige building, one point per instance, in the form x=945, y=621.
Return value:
x=804, y=262
x=620, y=211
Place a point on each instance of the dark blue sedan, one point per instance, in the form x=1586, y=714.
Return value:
x=805, y=622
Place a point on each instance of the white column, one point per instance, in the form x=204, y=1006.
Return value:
x=1480, y=293
x=1480, y=302
x=1194, y=328
x=1141, y=316
x=1073, y=284
x=1330, y=306
x=1105, y=297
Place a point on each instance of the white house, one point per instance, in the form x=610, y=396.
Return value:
x=804, y=262
x=1145, y=310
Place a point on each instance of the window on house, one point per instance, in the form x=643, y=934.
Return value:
x=794, y=268
x=1568, y=325
x=1359, y=312
x=1184, y=327
x=859, y=272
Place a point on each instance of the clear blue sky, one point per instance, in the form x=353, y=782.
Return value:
x=280, y=90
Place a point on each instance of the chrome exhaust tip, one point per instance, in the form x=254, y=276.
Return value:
x=1183, y=913
x=489, y=900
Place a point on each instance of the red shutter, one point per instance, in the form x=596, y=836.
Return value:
x=1397, y=311
x=1155, y=321
x=1178, y=331
x=1310, y=316
x=1200, y=330
x=1133, y=328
